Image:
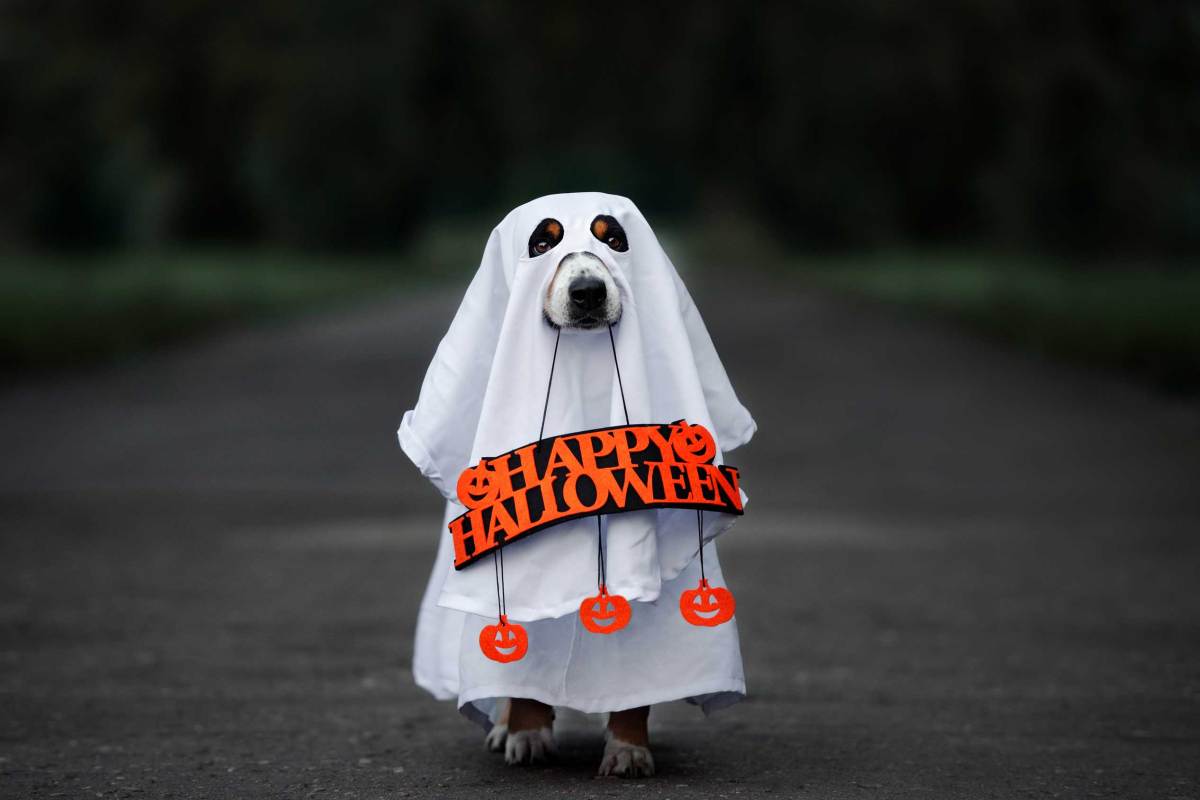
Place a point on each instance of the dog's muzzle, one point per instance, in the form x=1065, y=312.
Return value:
x=587, y=295
x=582, y=293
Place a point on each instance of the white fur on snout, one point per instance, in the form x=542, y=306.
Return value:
x=529, y=747
x=625, y=760
x=557, y=305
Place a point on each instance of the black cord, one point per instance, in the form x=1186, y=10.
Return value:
x=498, y=555
x=601, y=567
x=503, y=588
x=700, y=539
x=620, y=384
x=499, y=594
x=549, y=383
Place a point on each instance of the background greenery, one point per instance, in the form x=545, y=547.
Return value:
x=168, y=163
x=1145, y=321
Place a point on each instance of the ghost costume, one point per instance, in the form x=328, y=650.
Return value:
x=484, y=394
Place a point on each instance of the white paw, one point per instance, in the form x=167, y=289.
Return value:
x=529, y=747
x=494, y=741
x=626, y=760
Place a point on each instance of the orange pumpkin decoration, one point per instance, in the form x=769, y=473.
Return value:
x=693, y=443
x=604, y=613
x=505, y=641
x=707, y=605
x=478, y=485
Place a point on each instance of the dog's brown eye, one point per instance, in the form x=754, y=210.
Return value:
x=608, y=230
x=547, y=234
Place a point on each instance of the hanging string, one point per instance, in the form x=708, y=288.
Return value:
x=498, y=555
x=601, y=567
x=700, y=540
x=503, y=588
x=496, y=563
x=620, y=384
x=550, y=382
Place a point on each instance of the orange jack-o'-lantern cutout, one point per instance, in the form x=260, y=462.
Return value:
x=505, y=641
x=707, y=605
x=693, y=443
x=604, y=613
x=478, y=485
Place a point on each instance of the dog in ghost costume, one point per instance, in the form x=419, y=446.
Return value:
x=576, y=320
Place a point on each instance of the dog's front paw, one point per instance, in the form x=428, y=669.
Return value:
x=626, y=760
x=528, y=747
x=494, y=741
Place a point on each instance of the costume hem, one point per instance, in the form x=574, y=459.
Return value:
x=416, y=451
x=744, y=437
x=710, y=697
x=439, y=689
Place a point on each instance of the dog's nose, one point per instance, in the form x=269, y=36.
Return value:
x=587, y=293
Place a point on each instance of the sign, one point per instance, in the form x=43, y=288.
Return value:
x=602, y=471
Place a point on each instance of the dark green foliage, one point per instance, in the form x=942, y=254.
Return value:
x=62, y=311
x=1067, y=125
x=1137, y=319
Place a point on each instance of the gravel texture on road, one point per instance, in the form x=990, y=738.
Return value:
x=964, y=572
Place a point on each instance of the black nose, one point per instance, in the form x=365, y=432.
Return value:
x=587, y=294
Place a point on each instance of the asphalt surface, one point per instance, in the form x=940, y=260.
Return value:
x=965, y=572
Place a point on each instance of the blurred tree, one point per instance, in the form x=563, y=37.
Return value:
x=1068, y=125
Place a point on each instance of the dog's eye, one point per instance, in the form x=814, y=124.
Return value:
x=609, y=231
x=547, y=234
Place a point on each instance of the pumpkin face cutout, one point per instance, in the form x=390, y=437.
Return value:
x=604, y=613
x=693, y=443
x=504, y=642
x=707, y=605
x=478, y=486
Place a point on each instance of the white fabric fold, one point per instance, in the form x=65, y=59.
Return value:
x=484, y=393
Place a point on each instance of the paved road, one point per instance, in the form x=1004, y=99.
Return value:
x=965, y=573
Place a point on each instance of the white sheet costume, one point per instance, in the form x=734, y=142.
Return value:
x=484, y=394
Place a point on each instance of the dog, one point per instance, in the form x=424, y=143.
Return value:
x=557, y=272
x=581, y=294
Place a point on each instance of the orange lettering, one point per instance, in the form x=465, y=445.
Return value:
x=509, y=486
x=474, y=534
x=561, y=457
x=701, y=481
x=571, y=495
x=727, y=484
x=594, y=445
x=674, y=477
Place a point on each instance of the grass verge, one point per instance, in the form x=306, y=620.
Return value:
x=56, y=311
x=64, y=310
x=1143, y=320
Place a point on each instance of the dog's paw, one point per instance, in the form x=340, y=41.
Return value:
x=529, y=747
x=626, y=760
x=494, y=741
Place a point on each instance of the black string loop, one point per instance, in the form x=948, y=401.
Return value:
x=700, y=541
x=549, y=383
x=498, y=556
x=499, y=591
x=601, y=567
x=503, y=588
x=620, y=384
